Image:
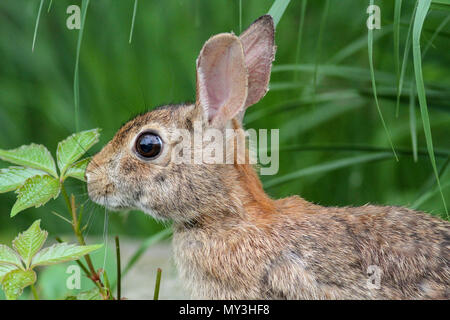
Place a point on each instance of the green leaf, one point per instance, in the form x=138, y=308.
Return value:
x=14, y=177
x=62, y=252
x=28, y=243
x=6, y=268
x=33, y=156
x=9, y=256
x=36, y=191
x=93, y=294
x=78, y=169
x=421, y=13
x=72, y=148
x=15, y=281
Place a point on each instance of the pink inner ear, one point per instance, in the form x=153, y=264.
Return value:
x=221, y=78
x=218, y=77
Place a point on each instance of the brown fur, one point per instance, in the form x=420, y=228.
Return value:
x=232, y=241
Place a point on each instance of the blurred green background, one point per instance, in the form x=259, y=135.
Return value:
x=337, y=118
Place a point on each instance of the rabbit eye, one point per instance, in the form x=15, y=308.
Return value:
x=148, y=145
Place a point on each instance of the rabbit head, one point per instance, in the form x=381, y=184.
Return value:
x=136, y=169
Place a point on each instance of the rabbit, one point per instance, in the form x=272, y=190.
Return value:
x=231, y=240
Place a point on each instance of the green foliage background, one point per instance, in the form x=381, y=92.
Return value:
x=119, y=80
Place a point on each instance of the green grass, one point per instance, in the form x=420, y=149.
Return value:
x=422, y=10
x=374, y=87
x=37, y=24
x=396, y=37
x=76, y=77
x=133, y=19
x=277, y=10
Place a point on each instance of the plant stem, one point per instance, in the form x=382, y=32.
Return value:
x=118, y=268
x=157, y=284
x=109, y=295
x=76, y=228
x=35, y=294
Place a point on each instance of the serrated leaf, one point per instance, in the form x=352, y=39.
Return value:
x=6, y=268
x=35, y=192
x=78, y=169
x=15, y=281
x=61, y=252
x=9, y=256
x=14, y=177
x=33, y=156
x=72, y=148
x=93, y=294
x=29, y=242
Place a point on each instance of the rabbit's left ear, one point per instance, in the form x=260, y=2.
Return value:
x=221, y=79
x=259, y=51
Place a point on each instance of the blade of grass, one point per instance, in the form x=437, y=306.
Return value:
x=157, y=284
x=421, y=13
x=440, y=5
x=412, y=120
x=405, y=61
x=374, y=86
x=328, y=166
x=76, y=81
x=132, y=20
x=412, y=91
x=277, y=10
x=435, y=34
x=300, y=35
x=49, y=6
x=37, y=25
x=119, y=272
x=397, y=15
x=423, y=198
x=318, y=116
x=323, y=21
x=443, y=153
x=339, y=71
x=240, y=16
x=291, y=105
x=357, y=45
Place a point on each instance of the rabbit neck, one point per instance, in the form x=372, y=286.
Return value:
x=242, y=200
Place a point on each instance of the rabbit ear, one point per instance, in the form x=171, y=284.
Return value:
x=259, y=51
x=221, y=78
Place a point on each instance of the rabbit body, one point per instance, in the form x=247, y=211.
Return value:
x=304, y=251
x=232, y=241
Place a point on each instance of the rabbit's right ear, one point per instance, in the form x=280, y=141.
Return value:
x=221, y=79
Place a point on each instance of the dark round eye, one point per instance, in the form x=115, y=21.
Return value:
x=148, y=145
